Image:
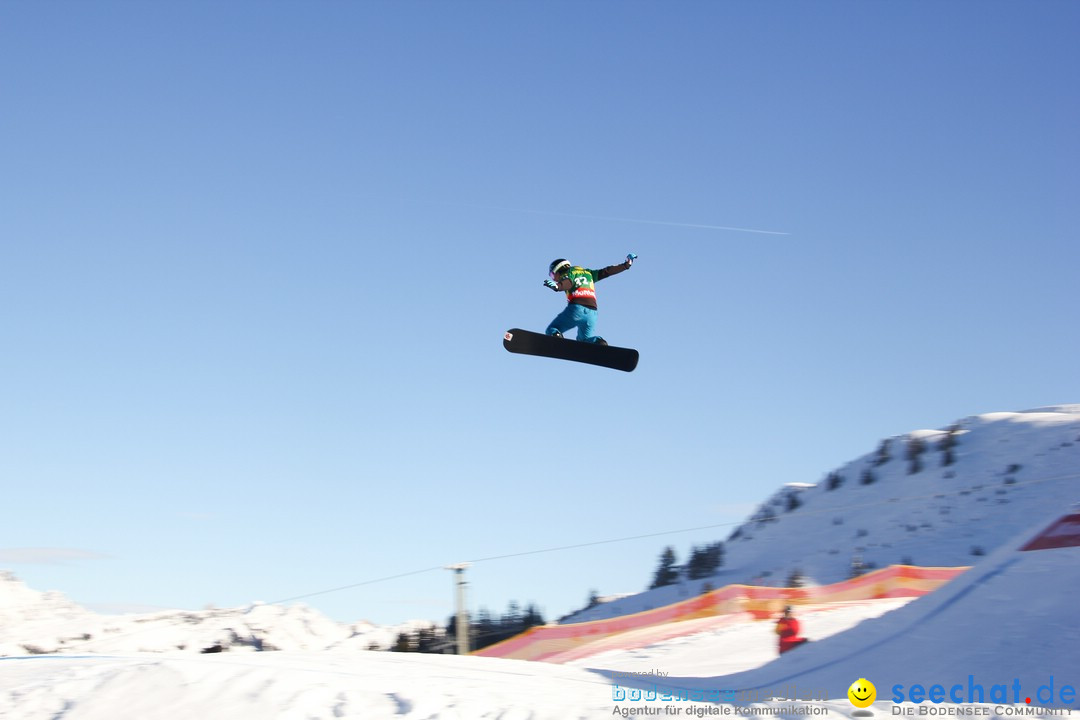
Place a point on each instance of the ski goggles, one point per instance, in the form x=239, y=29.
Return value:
x=559, y=269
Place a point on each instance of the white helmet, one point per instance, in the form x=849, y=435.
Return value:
x=557, y=267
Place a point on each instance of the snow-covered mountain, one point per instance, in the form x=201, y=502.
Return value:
x=970, y=487
x=945, y=497
x=33, y=622
x=998, y=641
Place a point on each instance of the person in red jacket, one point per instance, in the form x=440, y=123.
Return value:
x=787, y=628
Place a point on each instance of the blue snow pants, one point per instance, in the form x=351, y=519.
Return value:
x=576, y=316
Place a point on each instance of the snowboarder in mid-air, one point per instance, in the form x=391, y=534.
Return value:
x=579, y=284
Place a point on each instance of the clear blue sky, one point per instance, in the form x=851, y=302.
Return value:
x=256, y=260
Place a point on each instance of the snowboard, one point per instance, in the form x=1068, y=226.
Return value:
x=527, y=342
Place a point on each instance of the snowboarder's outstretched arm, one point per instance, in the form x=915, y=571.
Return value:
x=565, y=284
x=616, y=269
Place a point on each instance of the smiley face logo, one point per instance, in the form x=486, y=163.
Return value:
x=862, y=693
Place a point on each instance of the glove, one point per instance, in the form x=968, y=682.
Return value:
x=630, y=258
x=551, y=284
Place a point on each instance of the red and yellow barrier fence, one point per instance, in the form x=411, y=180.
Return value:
x=561, y=643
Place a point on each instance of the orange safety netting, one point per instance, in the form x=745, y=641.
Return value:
x=562, y=643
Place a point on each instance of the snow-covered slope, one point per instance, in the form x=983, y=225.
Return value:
x=1006, y=624
x=1001, y=634
x=884, y=508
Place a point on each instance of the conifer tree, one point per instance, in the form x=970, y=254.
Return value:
x=883, y=454
x=404, y=643
x=947, y=444
x=705, y=560
x=915, y=448
x=667, y=572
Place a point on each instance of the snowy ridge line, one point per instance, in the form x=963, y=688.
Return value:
x=178, y=622
x=944, y=493
x=803, y=512
x=891, y=501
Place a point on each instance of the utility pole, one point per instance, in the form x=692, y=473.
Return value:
x=462, y=615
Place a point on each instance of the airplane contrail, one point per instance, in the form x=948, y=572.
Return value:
x=617, y=219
